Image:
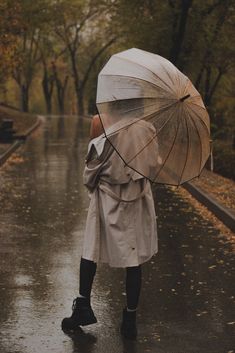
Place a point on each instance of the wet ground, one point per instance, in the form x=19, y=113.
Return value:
x=187, y=301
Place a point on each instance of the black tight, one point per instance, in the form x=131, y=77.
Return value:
x=133, y=286
x=87, y=274
x=133, y=282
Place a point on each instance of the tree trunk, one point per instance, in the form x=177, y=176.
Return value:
x=199, y=77
x=76, y=81
x=207, y=86
x=61, y=89
x=24, y=91
x=60, y=98
x=212, y=86
x=80, y=100
x=178, y=37
x=47, y=85
x=47, y=91
x=79, y=84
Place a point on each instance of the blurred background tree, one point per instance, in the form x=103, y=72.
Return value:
x=11, y=26
x=52, y=50
x=196, y=35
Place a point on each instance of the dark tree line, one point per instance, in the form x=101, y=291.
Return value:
x=64, y=43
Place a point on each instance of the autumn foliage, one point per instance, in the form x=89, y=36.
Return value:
x=11, y=27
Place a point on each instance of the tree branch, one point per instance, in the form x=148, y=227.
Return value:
x=216, y=82
x=178, y=38
x=94, y=59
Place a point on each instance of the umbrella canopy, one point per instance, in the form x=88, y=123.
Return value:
x=135, y=86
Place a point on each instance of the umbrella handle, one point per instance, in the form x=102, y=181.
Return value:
x=185, y=97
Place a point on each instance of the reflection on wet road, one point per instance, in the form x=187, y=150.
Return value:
x=187, y=296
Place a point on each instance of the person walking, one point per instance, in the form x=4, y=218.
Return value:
x=121, y=225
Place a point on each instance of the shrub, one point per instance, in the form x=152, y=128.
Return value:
x=224, y=159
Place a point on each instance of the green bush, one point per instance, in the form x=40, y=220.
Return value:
x=224, y=159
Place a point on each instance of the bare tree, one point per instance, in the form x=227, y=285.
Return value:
x=61, y=85
x=24, y=72
x=72, y=32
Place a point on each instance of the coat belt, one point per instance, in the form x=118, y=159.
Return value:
x=116, y=197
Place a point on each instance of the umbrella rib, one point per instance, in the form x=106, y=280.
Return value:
x=148, y=143
x=177, y=72
x=198, y=105
x=178, y=79
x=137, y=78
x=187, y=152
x=157, y=132
x=152, y=181
x=144, y=97
x=186, y=87
x=133, y=62
x=134, y=122
x=199, y=141
x=202, y=121
x=120, y=154
x=141, y=107
x=167, y=73
x=172, y=145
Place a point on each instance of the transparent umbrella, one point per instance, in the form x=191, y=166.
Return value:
x=139, y=91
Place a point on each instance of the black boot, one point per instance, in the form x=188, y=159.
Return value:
x=82, y=315
x=128, y=326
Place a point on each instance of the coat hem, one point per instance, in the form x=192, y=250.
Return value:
x=120, y=266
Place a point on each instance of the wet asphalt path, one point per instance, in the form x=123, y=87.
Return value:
x=187, y=301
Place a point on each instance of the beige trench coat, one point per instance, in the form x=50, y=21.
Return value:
x=121, y=222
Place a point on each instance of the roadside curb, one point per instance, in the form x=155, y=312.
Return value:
x=33, y=127
x=16, y=144
x=220, y=211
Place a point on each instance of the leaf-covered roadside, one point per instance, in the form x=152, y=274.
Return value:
x=22, y=121
x=221, y=188
x=227, y=236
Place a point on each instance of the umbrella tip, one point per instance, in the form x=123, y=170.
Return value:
x=185, y=97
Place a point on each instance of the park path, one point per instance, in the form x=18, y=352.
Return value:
x=188, y=289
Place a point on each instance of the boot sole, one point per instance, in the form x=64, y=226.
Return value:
x=93, y=320
x=66, y=327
